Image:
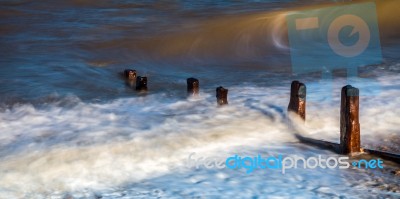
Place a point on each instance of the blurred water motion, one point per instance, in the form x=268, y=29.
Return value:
x=70, y=127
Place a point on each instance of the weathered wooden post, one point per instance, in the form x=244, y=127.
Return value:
x=222, y=95
x=130, y=74
x=349, y=122
x=141, y=83
x=297, y=103
x=192, y=86
x=130, y=77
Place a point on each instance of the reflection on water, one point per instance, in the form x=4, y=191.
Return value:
x=79, y=46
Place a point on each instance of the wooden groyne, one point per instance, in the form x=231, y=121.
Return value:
x=350, y=142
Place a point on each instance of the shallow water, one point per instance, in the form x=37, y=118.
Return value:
x=70, y=127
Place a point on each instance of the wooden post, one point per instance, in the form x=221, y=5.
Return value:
x=130, y=77
x=297, y=103
x=349, y=122
x=130, y=74
x=222, y=95
x=192, y=86
x=141, y=83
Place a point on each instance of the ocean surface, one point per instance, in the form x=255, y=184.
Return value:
x=70, y=127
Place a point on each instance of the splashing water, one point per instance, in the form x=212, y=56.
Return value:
x=71, y=128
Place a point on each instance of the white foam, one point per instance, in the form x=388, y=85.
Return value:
x=101, y=145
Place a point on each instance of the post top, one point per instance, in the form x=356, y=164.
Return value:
x=220, y=88
x=351, y=91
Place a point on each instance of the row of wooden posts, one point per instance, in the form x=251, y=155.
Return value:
x=350, y=142
x=349, y=114
x=193, y=86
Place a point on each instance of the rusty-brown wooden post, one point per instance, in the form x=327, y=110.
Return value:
x=349, y=121
x=297, y=103
x=141, y=83
x=222, y=95
x=192, y=86
x=130, y=74
x=130, y=77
